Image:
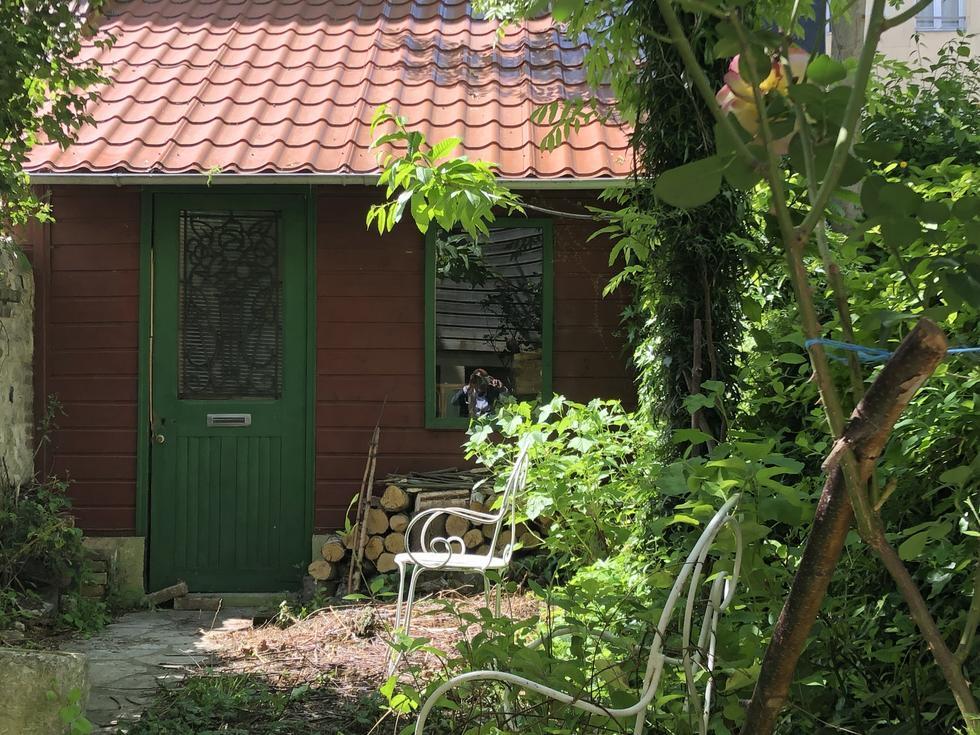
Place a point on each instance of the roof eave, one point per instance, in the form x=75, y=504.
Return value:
x=185, y=179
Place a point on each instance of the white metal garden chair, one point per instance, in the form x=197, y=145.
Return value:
x=700, y=656
x=449, y=554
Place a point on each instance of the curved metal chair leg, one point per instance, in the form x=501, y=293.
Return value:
x=416, y=571
x=641, y=722
x=486, y=591
x=393, y=656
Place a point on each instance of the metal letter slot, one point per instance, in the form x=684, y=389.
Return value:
x=229, y=419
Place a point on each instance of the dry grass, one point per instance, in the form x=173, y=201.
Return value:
x=342, y=652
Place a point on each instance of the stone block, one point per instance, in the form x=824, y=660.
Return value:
x=92, y=590
x=125, y=556
x=26, y=677
x=101, y=578
x=16, y=369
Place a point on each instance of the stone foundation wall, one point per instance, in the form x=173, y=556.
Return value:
x=16, y=369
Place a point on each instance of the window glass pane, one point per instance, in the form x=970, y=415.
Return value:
x=950, y=14
x=488, y=319
x=926, y=16
x=230, y=324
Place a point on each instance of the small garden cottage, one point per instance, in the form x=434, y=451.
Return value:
x=215, y=319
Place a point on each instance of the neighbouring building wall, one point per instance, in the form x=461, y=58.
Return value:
x=912, y=42
x=370, y=344
x=16, y=357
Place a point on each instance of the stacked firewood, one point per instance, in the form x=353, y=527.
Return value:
x=386, y=522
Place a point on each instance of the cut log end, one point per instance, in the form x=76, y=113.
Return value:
x=473, y=538
x=395, y=499
x=376, y=521
x=322, y=570
x=333, y=549
x=456, y=526
x=386, y=563
x=374, y=547
x=395, y=543
x=398, y=522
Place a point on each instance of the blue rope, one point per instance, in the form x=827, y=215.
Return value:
x=872, y=354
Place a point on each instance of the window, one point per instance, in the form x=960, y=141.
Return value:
x=488, y=324
x=942, y=15
x=230, y=293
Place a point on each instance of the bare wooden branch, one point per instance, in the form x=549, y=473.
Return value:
x=916, y=358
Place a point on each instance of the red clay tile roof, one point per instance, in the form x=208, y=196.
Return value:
x=263, y=86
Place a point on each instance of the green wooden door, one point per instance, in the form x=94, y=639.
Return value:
x=228, y=497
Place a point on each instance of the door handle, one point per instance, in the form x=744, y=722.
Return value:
x=159, y=438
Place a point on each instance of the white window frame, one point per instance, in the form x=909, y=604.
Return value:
x=938, y=22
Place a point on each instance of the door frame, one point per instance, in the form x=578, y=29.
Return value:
x=145, y=352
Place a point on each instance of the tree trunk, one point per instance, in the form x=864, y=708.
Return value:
x=847, y=32
x=865, y=435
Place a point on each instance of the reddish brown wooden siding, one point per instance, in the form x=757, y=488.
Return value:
x=87, y=333
x=369, y=336
x=370, y=312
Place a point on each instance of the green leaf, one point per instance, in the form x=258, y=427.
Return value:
x=694, y=436
x=690, y=185
x=562, y=10
x=882, y=151
x=443, y=147
x=913, y=546
x=825, y=71
x=581, y=444
x=957, y=476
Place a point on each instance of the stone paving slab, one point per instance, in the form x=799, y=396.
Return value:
x=132, y=657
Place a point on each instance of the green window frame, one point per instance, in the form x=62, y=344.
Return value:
x=432, y=421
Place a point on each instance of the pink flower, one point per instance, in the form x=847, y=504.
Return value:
x=737, y=96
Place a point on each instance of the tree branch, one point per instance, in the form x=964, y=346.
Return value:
x=700, y=80
x=852, y=116
x=972, y=621
x=916, y=358
x=947, y=662
x=907, y=14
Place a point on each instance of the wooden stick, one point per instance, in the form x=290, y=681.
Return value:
x=362, y=505
x=364, y=502
x=166, y=594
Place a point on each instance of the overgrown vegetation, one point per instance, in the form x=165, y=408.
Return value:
x=42, y=560
x=890, y=646
x=240, y=704
x=44, y=90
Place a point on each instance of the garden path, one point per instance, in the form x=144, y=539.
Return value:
x=140, y=651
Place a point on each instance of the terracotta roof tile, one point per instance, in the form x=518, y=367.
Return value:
x=265, y=86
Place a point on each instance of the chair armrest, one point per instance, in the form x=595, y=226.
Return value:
x=445, y=543
x=508, y=678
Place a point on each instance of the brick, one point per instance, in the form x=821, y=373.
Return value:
x=93, y=590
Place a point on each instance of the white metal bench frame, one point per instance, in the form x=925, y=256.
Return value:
x=448, y=553
x=701, y=656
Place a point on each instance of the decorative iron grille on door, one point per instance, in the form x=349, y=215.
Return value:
x=230, y=291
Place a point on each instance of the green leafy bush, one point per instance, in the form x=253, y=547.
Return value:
x=39, y=545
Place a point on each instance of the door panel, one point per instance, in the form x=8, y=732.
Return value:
x=228, y=491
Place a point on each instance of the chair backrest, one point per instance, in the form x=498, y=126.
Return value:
x=701, y=655
x=516, y=481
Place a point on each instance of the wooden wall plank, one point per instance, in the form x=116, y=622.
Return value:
x=90, y=329
x=370, y=312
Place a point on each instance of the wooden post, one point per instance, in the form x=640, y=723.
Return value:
x=363, y=505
